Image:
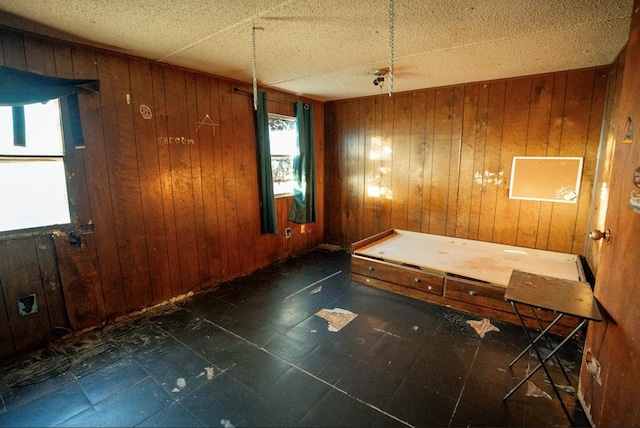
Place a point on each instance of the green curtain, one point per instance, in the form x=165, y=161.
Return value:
x=18, y=88
x=303, y=208
x=268, y=221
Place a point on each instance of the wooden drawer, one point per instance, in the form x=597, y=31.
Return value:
x=430, y=282
x=477, y=293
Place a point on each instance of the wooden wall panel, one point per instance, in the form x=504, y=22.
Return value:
x=174, y=287
x=400, y=159
x=514, y=137
x=147, y=147
x=174, y=205
x=477, y=186
x=20, y=277
x=452, y=150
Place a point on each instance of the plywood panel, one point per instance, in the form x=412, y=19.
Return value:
x=467, y=160
x=372, y=150
x=13, y=50
x=244, y=161
x=491, y=175
x=39, y=56
x=147, y=148
x=164, y=165
x=417, y=147
x=122, y=164
x=229, y=178
x=430, y=117
x=51, y=283
x=401, y=150
x=536, y=145
x=20, y=277
x=193, y=120
x=454, y=160
x=350, y=151
x=388, y=123
x=179, y=149
x=443, y=148
x=514, y=136
x=205, y=133
x=86, y=65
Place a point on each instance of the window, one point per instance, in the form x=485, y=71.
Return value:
x=283, y=139
x=33, y=190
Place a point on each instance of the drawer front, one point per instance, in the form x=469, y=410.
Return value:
x=477, y=293
x=397, y=274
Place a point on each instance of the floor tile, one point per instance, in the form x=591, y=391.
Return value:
x=253, y=352
x=111, y=379
x=149, y=399
x=173, y=416
x=48, y=410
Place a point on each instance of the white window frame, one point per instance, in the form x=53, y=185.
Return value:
x=34, y=214
x=282, y=156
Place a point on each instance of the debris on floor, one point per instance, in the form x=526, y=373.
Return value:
x=534, y=391
x=226, y=423
x=338, y=318
x=483, y=326
x=329, y=247
x=180, y=384
x=316, y=290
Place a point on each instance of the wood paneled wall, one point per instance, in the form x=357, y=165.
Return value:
x=443, y=159
x=174, y=200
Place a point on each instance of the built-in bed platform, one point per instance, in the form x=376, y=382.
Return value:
x=461, y=273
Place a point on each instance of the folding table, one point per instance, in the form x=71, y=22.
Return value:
x=565, y=297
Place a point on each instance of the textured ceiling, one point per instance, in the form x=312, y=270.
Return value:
x=328, y=49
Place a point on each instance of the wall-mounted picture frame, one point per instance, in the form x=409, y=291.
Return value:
x=549, y=179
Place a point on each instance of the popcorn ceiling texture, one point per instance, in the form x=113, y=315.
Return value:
x=328, y=49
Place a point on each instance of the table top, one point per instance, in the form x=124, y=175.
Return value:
x=479, y=260
x=559, y=295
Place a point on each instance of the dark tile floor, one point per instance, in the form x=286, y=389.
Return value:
x=253, y=352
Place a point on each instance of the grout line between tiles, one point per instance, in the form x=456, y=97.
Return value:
x=290, y=364
x=464, y=385
x=335, y=387
x=311, y=285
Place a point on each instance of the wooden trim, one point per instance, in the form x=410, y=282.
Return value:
x=377, y=237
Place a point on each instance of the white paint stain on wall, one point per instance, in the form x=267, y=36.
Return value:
x=489, y=177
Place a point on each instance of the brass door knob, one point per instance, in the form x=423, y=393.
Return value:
x=597, y=235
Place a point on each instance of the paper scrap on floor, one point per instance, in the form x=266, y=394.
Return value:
x=482, y=327
x=337, y=317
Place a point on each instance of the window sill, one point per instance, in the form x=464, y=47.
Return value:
x=36, y=231
x=283, y=195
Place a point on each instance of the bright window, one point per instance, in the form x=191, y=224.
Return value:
x=283, y=138
x=33, y=189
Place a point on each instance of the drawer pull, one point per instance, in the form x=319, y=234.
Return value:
x=416, y=279
x=473, y=293
x=370, y=268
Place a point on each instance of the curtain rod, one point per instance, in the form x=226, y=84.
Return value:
x=236, y=89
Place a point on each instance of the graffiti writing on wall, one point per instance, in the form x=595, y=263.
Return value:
x=176, y=140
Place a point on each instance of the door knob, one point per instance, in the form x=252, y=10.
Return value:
x=596, y=235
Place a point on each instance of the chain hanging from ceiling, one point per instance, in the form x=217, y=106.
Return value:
x=391, y=36
x=255, y=72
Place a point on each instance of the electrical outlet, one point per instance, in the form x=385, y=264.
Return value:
x=27, y=305
x=287, y=233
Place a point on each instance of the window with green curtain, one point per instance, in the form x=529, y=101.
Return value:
x=303, y=207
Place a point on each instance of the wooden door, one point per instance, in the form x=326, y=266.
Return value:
x=609, y=377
